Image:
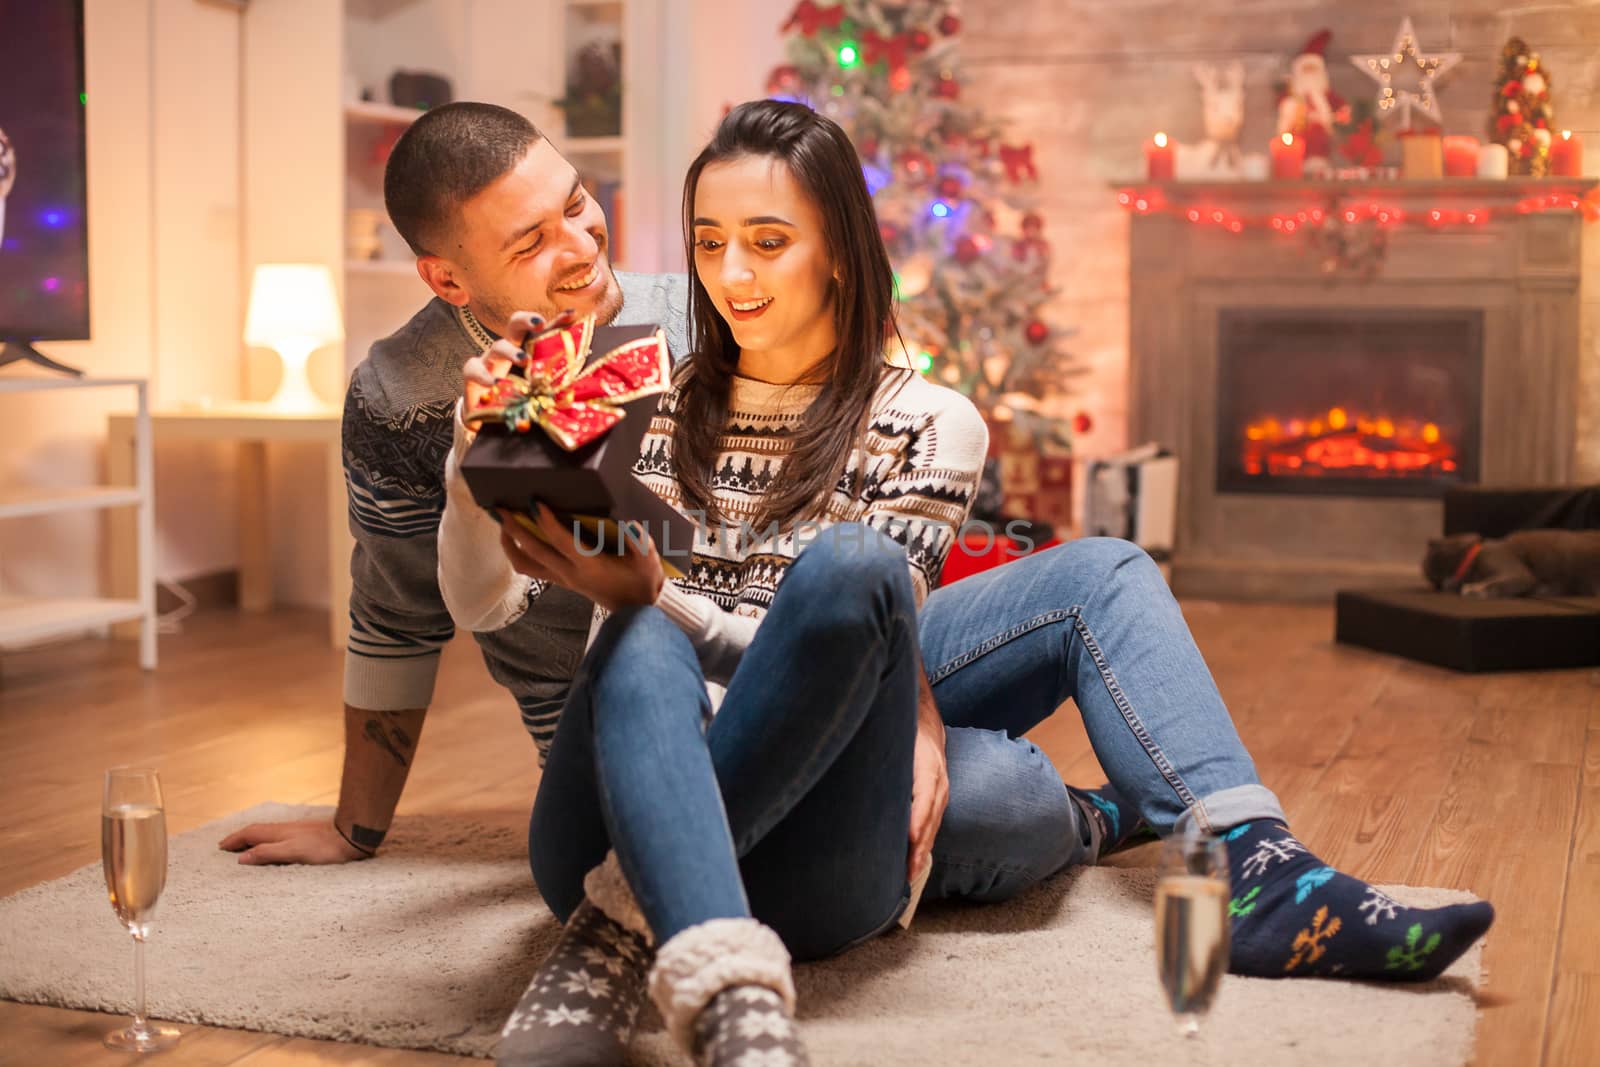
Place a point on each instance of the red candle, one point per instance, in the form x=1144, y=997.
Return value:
x=1288, y=156
x=1460, y=157
x=1566, y=155
x=1159, y=163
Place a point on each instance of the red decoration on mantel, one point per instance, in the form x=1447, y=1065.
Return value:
x=1388, y=215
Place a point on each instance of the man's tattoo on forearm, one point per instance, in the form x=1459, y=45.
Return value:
x=389, y=740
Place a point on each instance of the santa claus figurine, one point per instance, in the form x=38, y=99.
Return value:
x=1309, y=107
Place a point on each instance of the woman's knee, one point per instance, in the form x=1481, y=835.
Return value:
x=853, y=566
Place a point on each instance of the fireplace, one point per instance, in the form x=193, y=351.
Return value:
x=1348, y=402
x=1318, y=412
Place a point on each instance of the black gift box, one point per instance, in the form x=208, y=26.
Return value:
x=513, y=470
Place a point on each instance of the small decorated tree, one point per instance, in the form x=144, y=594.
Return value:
x=1523, y=115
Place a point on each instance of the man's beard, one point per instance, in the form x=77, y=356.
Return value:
x=493, y=309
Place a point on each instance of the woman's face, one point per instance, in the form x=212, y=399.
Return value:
x=760, y=252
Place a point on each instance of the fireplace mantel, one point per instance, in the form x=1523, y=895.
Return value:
x=1520, y=269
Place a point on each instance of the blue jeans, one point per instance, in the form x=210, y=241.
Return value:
x=1091, y=620
x=794, y=805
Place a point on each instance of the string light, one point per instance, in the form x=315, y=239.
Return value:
x=1385, y=216
x=849, y=55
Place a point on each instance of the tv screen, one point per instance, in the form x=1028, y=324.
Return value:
x=44, y=232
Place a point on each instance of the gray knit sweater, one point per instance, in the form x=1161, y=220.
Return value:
x=398, y=421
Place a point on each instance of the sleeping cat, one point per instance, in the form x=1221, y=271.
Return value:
x=1527, y=563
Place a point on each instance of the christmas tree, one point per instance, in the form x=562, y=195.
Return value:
x=1522, y=112
x=955, y=201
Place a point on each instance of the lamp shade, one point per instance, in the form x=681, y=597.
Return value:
x=292, y=302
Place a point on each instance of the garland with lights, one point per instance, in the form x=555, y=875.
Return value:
x=956, y=203
x=1351, y=236
x=1151, y=202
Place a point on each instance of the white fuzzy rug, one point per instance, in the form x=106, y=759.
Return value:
x=430, y=946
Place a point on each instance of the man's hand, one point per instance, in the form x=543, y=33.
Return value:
x=930, y=781
x=313, y=841
x=495, y=362
x=610, y=580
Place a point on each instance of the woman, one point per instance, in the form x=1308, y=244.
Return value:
x=818, y=466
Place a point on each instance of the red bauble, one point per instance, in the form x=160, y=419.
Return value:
x=1037, y=332
x=920, y=40
x=784, y=79
x=1082, y=423
x=889, y=232
x=869, y=148
x=950, y=25
x=968, y=249
x=1032, y=224
x=917, y=164
x=947, y=89
x=950, y=187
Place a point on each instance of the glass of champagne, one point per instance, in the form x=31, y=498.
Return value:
x=133, y=851
x=1192, y=924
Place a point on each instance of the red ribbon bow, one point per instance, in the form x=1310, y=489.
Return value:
x=810, y=18
x=573, y=403
x=874, y=46
x=1018, y=161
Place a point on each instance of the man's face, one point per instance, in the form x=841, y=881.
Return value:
x=534, y=240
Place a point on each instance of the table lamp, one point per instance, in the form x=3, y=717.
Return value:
x=293, y=311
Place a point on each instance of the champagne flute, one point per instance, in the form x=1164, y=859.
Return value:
x=1192, y=924
x=133, y=851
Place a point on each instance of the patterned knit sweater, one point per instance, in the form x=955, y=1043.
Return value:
x=913, y=477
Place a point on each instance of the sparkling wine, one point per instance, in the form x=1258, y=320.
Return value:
x=1191, y=940
x=133, y=851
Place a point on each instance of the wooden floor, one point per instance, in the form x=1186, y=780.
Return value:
x=1390, y=770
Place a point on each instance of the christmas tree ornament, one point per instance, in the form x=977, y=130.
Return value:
x=1406, y=76
x=1037, y=332
x=1018, y=162
x=810, y=17
x=1082, y=423
x=949, y=187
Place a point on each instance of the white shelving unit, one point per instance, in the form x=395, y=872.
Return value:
x=27, y=619
x=465, y=41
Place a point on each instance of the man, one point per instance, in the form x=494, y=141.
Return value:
x=500, y=224
x=500, y=227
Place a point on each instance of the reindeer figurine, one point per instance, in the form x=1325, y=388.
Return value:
x=1222, y=98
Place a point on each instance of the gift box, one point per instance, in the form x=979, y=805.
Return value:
x=565, y=430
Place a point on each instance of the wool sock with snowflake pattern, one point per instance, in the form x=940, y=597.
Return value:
x=747, y=1026
x=1119, y=824
x=1293, y=915
x=580, y=1008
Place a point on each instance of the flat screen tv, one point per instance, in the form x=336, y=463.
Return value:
x=44, y=228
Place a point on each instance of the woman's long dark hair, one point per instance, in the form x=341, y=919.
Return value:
x=824, y=164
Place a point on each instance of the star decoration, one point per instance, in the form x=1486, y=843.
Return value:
x=1405, y=75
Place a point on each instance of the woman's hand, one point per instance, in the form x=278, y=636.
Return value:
x=481, y=371
x=610, y=580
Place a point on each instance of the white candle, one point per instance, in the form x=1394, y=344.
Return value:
x=1493, y=161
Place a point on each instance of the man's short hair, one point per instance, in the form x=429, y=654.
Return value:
x=446, y=157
